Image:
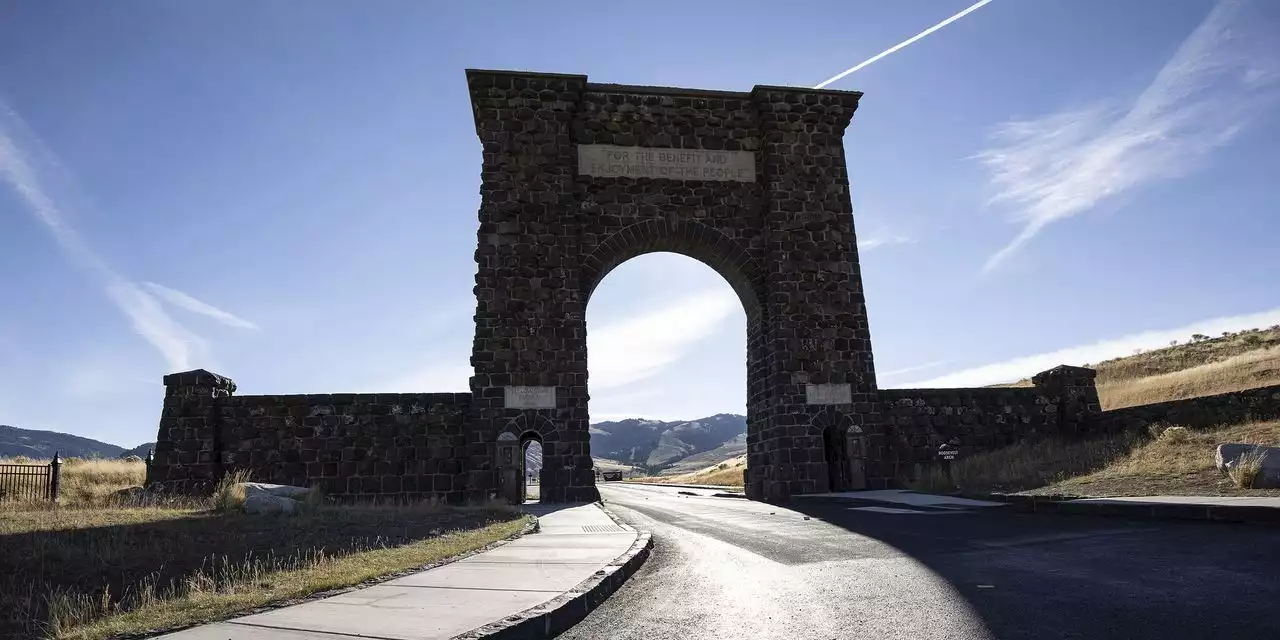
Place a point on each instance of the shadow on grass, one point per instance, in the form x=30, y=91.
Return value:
x=148, y=552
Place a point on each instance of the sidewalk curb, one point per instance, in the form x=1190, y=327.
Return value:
x=1069, y=505
x=552, y=618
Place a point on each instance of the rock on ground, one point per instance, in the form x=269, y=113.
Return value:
x=1229, y=453
x=280, y=490
x=261, y=498
x=267, y=504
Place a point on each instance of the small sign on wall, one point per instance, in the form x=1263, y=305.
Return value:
x=828, y=394
x=529, y=397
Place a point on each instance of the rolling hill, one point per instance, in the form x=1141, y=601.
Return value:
x=33, y=443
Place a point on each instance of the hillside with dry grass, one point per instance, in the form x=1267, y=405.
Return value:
x=1199, y=366
x=725, y=474
x=102, y=564
x=1164, y=461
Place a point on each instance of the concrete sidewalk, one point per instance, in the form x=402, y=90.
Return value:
x=575, y=544
x=1201, y=501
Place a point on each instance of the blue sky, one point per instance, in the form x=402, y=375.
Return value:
x=285, y=193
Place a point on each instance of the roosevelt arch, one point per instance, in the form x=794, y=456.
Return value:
x=578, y=177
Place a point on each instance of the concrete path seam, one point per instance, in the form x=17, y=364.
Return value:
x=554, y=617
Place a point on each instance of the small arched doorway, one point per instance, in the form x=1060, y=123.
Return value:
x=531, y=458
x=837, y=457
x=844, y=451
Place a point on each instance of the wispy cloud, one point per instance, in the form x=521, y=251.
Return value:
x=185, y=301
x=870, y=243
x=1064, y=164
x=913, y=369
x=639, y=347
x=21, y=152
x=1018, y=368
x=970, y=9
x=619, y=353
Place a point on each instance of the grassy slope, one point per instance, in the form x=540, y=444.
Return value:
x=1138, y=465
x=1114, y=466
x=727, y=473
x=93, y=567
x=1233, y=362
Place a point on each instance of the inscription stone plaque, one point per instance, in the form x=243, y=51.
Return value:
x=612, y=161
x=529, y=397
x=828, y=394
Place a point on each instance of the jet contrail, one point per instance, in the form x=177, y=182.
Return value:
x=974, y=7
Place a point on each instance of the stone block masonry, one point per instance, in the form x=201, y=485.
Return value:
x=1063, y=403
x=387, y=445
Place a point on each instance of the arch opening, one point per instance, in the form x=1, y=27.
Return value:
x=667, y=353
x=531, y=465
x=693, y=240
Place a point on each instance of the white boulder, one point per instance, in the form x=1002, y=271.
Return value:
x=261, y=498
x=280, y=490
x=267, y=504
x=1228, y=455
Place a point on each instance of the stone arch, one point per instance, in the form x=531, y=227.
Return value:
x=529, y=422
x=578, y=177
x=689, y=238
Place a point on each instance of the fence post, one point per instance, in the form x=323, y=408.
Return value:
x=146, y=479
x=55, y=477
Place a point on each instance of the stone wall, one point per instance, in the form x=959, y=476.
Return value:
x=1262, y=403
x=387, y=445
x=1062, y=403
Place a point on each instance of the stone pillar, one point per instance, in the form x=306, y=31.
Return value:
x=529, y=352
x=816, y=330
x=1075, y=393
x=188, y=448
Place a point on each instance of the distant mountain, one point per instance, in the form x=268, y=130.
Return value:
x=653, y=443
x=43, y=444
x=140, y=450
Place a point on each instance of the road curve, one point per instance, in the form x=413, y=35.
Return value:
x=730, y=568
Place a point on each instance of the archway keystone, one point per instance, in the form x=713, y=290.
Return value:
x=578, y=177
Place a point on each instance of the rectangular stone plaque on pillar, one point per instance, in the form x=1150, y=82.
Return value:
x=529, y=397
x=827, y=394
x=612, y=161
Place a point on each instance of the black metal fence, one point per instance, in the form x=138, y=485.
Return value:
x=30, y=482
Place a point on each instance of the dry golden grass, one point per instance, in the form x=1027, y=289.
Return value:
x=219, y=590
x=99, y=565
x=725, y=474
x=1178, y=462
x=93, y=482
x=1248, y=370
x=1022, y=466
x=1205, y=367
x=1244, y=473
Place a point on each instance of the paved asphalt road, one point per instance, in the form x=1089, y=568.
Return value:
x=730, y=568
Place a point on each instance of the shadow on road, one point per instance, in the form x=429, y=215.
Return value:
x=1046, y=576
